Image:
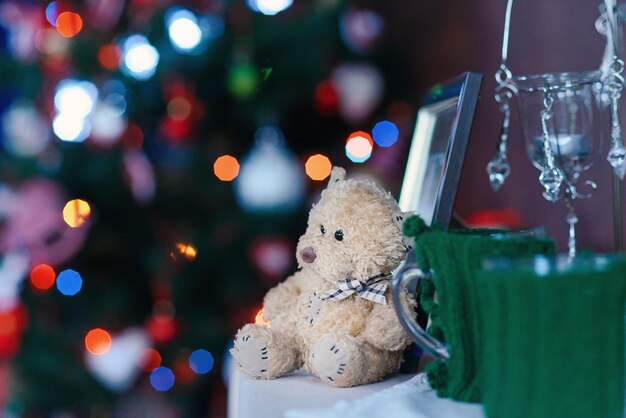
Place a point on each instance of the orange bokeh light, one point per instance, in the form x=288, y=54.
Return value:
x=260, y=319
x=226, y=168
x=42, y=277
x=318, y=167
x=109, y=56
x=98, y=341
x=76, y=212
x=69, y=24
x=150, y=360
x=186, y=250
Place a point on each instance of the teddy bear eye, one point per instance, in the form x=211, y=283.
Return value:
x=322, y=229
x=339, y=235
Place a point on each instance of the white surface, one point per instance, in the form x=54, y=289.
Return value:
x=410, y=399
x=301, y=395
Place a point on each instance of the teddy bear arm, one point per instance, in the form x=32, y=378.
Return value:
x=282, y=299
x=383, y=329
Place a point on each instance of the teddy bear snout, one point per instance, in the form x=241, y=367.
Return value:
x=308, y=255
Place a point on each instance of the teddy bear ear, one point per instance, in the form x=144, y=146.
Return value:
x=337, y=174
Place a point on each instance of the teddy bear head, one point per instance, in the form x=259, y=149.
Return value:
x=354, y=231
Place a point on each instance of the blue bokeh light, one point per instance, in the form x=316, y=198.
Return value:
x=162, y=379
x=385, y=133
x=52, y=13
x=69, y=282
x=201, y=361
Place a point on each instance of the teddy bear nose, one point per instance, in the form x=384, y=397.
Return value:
x=308, y=255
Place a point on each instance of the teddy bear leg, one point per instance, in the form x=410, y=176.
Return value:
x=340, y=360
x=264, y=353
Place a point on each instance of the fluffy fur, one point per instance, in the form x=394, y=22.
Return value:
x=345, y=343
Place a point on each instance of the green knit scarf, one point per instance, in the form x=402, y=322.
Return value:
x=454, y=257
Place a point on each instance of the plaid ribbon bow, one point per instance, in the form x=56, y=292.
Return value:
x=373, y=289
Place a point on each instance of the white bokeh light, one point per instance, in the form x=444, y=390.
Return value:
x=269, y=7
x=183, y=30
x=71, y=128
x=140, y=59
x=75, y=97
x=108, y=124
x=26, y=133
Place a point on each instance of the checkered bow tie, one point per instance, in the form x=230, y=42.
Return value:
x=373, y=289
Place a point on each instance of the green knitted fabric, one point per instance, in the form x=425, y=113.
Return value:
x=454, y=257
x=554, y=344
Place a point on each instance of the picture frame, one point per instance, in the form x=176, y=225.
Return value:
x=438, y=147
x=433, y=170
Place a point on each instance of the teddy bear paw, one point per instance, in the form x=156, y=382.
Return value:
x=313, y=308
x=250, y=350
x=332, y=356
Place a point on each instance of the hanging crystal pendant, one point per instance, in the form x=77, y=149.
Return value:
x=617, y=159
x=572, y=220
x=617, y=153
x=551, y=179
x=499, y=168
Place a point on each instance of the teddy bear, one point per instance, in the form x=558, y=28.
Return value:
x=335, y=316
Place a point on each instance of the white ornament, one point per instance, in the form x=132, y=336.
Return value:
x=270, y=178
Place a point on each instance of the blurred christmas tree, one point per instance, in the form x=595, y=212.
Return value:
x=152, y=184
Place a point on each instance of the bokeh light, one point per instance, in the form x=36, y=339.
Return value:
x=108, y=123
x=201, y=361
x=8, y=323
x=259, y=319
x=26, y=132
x=318, y=167
x=385, y=133
x=97, y=341
x=179, y=108
x=150, y=360
x=187, y=251
x=326, y=98
x=74, y=101
x=183, y=29
x=269, y=7
x=162, y=379
x=69, y=24
x=76, y=212
x=359, y=147
x=75, y=97
x=52, y=12
x=243, y=80
x=71, y=129
x=226, y=168
x=140, y=58
x=360, y=29
x=42, y=277
x=69, y=282
x=109, y=56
